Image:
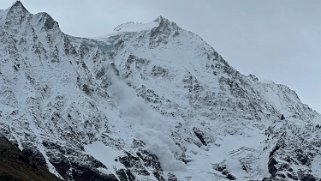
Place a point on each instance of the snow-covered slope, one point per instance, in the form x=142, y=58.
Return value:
x=146, y=102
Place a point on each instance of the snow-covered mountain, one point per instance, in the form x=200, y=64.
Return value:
x=146, y=102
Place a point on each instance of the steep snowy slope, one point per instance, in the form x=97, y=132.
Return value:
x=146, y=102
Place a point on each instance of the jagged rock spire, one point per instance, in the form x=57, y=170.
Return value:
x=16, y=13
x=18, y=7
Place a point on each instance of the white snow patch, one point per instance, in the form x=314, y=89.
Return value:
x=135, y=27
x=103, y=170
x=231, y=150
x=2, y=16
x=129, y=28
x=316, y=165
x=105, y=155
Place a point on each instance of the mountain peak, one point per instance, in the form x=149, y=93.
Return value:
x=18, y=7
x=16, y=13
x=163, y=31
x=160, y=19
x=166, y=23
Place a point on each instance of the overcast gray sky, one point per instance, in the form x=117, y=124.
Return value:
x=277, y=40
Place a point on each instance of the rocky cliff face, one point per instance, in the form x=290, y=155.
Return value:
x=146, y=102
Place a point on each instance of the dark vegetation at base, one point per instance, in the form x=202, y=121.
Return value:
x=16, y=166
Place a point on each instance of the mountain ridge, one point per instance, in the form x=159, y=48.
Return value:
x=158, y=101
x=16, y=165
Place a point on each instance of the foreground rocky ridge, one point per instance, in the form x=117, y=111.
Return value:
x=16, y=165
x=148, y=101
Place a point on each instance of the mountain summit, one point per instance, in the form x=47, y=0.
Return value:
x=149, y=101
x=18, y=7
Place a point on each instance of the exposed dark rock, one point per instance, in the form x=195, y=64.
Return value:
x=280, y=175
x=50, y=23
x=291, y=176
x=274, y=150
x=282, y=117
x=21, y=166
x=86, y=89
x=70, y=170
x=158, y=176
x=199, y=135
x=171, y=177
x=159, y=71
x=221, y=167
x=161, y=33
x=267, y=179
x=68, y=47
x=83, y=173
x=137, y=164
x=125, y=175
x=272, y=162
x=306, y=176
x=35, y=156
x=271, y=166
x=303, y=157
x=62, y=167
x=283, y=166
x=230, y=177
x=129, y=160
x=150, y=160
x=100, y=73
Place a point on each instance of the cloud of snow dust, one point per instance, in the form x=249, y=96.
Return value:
x=150, y=126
